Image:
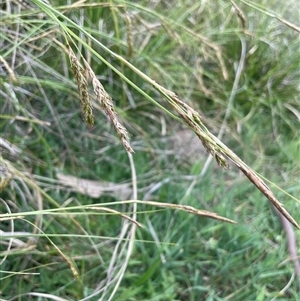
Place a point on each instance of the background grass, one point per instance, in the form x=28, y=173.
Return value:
x=192, y=49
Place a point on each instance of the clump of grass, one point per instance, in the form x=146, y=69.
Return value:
x=201, y=252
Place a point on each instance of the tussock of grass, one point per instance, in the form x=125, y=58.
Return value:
x=233, y=62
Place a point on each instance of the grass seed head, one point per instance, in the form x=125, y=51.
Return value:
x=129, y=34
x=107, y=105
x=80, y=78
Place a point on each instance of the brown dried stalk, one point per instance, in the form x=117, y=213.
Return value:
x=185, y=208
x=107, y=105
x=240, y=14
x=192, y=210
x=80, y=77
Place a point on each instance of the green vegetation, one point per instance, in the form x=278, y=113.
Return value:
x=68, y=229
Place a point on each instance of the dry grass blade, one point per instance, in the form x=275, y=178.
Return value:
x=9, y=70
x=3, y=218
x=79, y=75
x=272, y=15
x=67, y=259
x=95, y=189
x=291, y=243
x=117, y=213
x=217, y=50
x=240, y=14
x=185, y=208
x=46, y=296
x=289, y=24
x=107, y=105
x=192, y=210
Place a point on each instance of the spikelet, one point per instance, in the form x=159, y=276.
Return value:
x=107, y=105
x=129, y=34
x=80, y=78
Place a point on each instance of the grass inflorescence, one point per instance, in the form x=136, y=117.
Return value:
x=80, y=77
